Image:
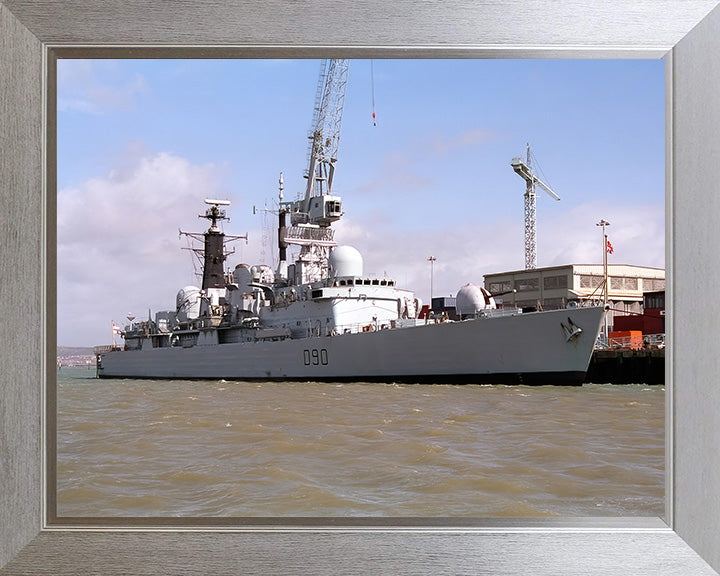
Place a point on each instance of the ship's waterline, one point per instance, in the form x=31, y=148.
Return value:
x=282, y=449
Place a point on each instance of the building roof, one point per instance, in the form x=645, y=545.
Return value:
x=613, y=269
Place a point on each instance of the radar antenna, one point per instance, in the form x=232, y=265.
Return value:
x=214, y=213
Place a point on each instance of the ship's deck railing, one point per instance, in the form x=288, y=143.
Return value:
x=654, y=340
x=364, y=327
x=104, y=349
x=373, y=326
x=649, y=341
x=497, y=312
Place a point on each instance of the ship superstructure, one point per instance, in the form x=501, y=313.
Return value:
x=255, y=303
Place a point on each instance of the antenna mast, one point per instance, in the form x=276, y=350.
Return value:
x=213, y=254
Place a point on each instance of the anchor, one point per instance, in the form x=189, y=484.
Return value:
x=572, y=330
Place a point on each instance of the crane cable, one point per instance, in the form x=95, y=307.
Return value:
x=539, y=168
x=372, y=88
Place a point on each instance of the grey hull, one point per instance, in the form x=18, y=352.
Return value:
x=534, y=348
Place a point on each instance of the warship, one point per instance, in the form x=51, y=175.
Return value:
x=320, y=317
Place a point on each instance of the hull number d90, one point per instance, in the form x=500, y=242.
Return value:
x=315, y=357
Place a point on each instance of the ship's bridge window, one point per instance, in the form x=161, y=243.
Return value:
x=342, y=283
x=383, y=282
x=375, y=282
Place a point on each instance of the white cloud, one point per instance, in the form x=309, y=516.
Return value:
x=636, y=232
x=118, y=246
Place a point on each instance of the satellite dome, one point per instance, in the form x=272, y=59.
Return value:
x=471, y=298
x=345, y=261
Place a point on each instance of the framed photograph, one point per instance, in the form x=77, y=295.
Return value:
x=301, y=399
x=684, y=35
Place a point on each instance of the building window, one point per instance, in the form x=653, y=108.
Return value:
x=653, y=284
x=623, y=283
x=655, y=301
x=500, y=287
x=587, y=281
x=555, y=282
x=630, y=283
x=527, y=284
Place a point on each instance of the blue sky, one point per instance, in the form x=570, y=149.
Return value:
x=141, y=143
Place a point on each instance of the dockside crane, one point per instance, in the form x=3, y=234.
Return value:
x=524, y=170
x=311, y=216
x=325, y=134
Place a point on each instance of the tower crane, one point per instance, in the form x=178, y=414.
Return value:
x=311, y=216
x=524, y=170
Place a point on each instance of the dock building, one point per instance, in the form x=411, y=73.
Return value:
x=559, y=286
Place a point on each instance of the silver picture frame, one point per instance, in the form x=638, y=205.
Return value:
x=686, y=33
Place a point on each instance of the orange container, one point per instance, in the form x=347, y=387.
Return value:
x=630, y=339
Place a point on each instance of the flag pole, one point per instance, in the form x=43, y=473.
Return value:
x=604, y=223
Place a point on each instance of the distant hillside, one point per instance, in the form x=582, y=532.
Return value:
x=65, y=351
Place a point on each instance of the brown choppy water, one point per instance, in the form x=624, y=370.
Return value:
x=217, y=448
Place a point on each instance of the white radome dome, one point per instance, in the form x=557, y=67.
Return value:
x=471, y=298
x=345, y=261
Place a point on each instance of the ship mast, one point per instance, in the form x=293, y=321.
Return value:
x=213, y=254
x=214, y=251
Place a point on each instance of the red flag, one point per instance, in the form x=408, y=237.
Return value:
x=609, y=247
